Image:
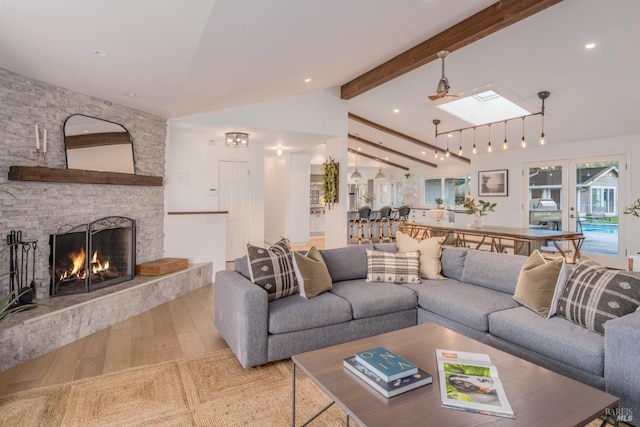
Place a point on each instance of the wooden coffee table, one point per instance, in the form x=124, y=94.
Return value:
x=537, y=395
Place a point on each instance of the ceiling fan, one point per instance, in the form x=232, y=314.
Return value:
x=443, y=85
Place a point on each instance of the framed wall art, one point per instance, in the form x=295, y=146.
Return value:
x=493, y=183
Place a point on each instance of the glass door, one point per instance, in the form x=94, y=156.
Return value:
x=580, y=195
x=597, y=195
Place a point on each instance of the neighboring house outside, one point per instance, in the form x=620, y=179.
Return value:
x=597, y=189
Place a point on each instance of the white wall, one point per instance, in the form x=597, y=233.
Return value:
x=298, y=203
x=335, y=218
x=192, y=161
x=274, y=214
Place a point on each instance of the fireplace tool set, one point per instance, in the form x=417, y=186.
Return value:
x=22, y=264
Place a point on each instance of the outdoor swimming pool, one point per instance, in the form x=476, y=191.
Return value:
x=600, y=228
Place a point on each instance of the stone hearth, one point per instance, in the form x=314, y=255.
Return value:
x=62, y=320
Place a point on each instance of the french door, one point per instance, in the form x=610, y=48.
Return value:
x=584, y=195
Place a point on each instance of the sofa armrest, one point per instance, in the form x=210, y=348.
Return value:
x=241, y=316
x=621, y=362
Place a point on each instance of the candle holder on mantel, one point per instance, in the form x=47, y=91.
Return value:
x=37, y=157
x=44, y=158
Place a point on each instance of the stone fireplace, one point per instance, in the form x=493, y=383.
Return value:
x=92, y=256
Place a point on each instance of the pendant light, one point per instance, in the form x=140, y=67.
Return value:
x=504, y=144
x=380, y=174
x=523, y=143
x=356, y=174
x=489, y=149
x=460, y=143
x=474, y=141
x=542, y=95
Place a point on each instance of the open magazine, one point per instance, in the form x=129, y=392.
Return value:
x=469, y=382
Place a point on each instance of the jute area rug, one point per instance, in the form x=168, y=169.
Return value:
x=209, y=390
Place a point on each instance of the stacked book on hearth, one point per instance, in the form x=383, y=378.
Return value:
x=386, y=372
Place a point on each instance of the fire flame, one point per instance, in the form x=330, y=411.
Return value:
x=78, y=260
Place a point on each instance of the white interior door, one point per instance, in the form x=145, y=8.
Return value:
x=235, y=197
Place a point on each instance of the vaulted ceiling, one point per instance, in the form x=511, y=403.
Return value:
x=184, y=57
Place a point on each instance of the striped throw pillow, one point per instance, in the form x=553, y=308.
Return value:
x=393, y=267
x=595, y=294
x=272, y=269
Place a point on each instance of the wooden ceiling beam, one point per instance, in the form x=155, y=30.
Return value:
x=406, y=137
x=368, y=156
x=488, y=21
x=392, y=151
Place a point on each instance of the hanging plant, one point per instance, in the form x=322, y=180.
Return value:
x=330, y=182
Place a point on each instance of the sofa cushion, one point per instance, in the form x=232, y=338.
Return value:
x=272, y=269
x=492, y=270
x=464, y=303
x=430, y=252
x=595, y=294
x=346, y=263
x=452, y=260
x=374, y=298
x=386, y=247
x=241, y=265
x=556, y=338
x=295, y=313
x=393, y=268
x=314, y=273
x=540, y=284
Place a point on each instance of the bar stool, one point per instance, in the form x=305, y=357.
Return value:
x=383, y=220
x=360, y=226
x=401, y=218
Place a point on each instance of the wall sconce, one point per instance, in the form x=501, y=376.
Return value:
x=236, y=139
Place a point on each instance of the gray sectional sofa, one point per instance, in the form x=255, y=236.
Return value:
x=476, y=299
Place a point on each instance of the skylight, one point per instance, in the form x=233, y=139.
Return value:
x=485, y=107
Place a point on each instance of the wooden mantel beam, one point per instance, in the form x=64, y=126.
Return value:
x=488, y=21
x=406, y=137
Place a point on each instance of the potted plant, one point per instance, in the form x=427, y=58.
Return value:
x=439, y=202
x=330, y=182
x=479, y=210
x=368, y=198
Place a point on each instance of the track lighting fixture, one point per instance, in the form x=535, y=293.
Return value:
x=543, y=95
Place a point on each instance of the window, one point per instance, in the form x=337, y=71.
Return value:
x=452, y=190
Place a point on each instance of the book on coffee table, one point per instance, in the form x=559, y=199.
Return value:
x=469, y=382
x=387, y=389
x=386, y=364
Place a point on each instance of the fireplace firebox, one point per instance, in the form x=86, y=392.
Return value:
x=92, y=256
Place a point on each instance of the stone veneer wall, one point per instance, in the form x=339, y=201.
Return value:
x=39, y=209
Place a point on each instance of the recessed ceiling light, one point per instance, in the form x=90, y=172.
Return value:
x=395, y=110
x=307, y=80
x=424, y=152
x=589, y=45
x=99, y=52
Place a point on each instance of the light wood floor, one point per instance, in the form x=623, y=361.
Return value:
x=179, y=328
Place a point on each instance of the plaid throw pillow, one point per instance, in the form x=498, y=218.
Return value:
x=393, y=268
x=272, y=269
x=595, y=294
